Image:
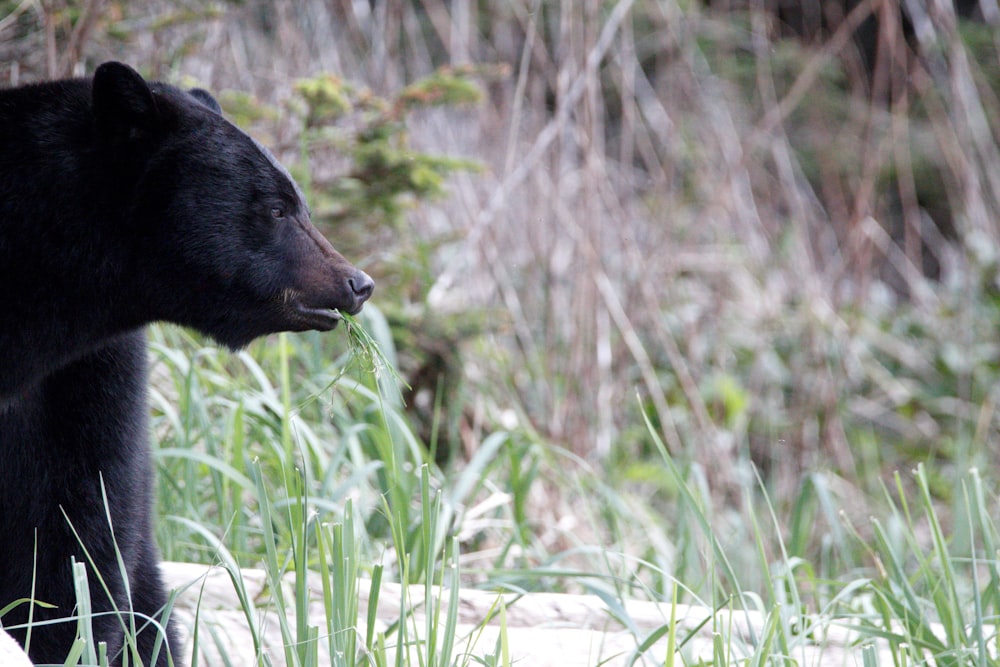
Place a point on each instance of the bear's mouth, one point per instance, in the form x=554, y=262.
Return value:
x=320, y=319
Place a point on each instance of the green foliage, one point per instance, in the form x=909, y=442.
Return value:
x=445, y=87
x=384, y=173
x=328, y=98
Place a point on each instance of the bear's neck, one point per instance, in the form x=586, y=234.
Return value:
x=29, y=360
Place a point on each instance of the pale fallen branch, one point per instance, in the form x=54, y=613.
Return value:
x=11, y=654
x=542, y=628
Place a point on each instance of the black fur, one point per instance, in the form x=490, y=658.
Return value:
x=122, y=203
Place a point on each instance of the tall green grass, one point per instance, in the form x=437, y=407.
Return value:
x=349, y=499
x=320, y=480
x=893, y=580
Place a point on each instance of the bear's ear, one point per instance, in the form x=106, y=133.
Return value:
x=123, y=102
x=206, y=99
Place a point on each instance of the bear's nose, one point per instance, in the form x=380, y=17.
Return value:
x=362, y=287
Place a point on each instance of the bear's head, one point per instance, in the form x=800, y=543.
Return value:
x=220, y=235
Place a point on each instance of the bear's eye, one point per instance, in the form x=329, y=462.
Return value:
x=277, y=213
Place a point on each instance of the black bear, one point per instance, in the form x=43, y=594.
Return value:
x=125, y=202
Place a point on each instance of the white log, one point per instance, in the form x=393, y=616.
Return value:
x=11, y=654
x=543, y=629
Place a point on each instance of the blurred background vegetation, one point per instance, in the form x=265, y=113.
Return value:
x=769, y=228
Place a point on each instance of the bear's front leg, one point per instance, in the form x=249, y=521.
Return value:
x=79, y=441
